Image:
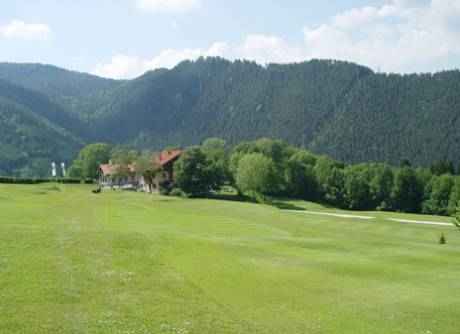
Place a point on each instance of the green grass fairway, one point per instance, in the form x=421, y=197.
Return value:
x=74, y=262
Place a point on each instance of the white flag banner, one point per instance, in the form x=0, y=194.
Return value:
x=53, y=169
x=63, y=169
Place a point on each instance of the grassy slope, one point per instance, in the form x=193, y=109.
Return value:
x=73, y=262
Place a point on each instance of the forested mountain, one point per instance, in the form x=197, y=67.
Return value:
x=28, y=138
x=78, y=93
x=43, y=106
x=239, y=100
x=338, y=108
x=392, y=118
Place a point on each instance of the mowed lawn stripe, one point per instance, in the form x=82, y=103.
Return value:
x=74, y=262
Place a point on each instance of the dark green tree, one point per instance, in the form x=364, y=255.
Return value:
x=334, y=187
x=215, y=150
x=405, y=163
x=442, y=167
x=407, y=191
x=381, y=185
x=300, y=176
x=330, y=178
x=357, y=193
x=195, y=174
x=439, y=196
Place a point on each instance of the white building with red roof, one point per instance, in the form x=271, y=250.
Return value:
x=116, y=176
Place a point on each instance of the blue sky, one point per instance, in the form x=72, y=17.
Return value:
x=124, y=38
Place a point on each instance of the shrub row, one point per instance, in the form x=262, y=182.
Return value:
x=18, y=180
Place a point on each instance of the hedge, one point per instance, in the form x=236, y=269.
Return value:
x=18, y=180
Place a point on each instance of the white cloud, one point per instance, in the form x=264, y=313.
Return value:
x=268, y=49
x=18, y=29
x=398, y=36
x=122, y=66
x=260, y=48
x=168, y=5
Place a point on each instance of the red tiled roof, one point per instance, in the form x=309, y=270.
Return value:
x=108, y=169
x=166, y=157
x=163, y=158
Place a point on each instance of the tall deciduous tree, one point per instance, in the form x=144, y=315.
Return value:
x=195, y=174
x=123, y=158
x=256, y=175
x=89, y=159
x=215, y=150
x=148, y=168
x=438, y=201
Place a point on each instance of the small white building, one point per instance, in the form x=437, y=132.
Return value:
x=111, y=177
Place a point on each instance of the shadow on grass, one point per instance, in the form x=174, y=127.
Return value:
x=166, y=199
x=52, y=188
x=285, y=206
x=228, y=197
x=280, y=204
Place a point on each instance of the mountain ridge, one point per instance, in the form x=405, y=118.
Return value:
x=338, y=108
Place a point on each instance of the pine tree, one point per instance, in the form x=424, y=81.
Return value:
x=442, y=240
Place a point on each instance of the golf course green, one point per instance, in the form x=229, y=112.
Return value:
x=130, y=263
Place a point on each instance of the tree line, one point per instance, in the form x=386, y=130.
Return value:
x=267, y=168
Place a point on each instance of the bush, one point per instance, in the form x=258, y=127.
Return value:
x=69, y=181
x=176, y=192
x=16, y=180
x=89, y=181
x=165, y=188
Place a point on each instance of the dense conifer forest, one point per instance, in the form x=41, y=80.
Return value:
x=341, y=109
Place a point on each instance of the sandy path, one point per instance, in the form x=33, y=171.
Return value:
x=319, y=213
x=404, y=221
